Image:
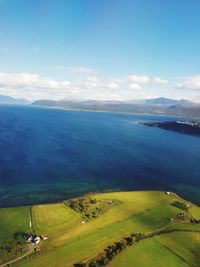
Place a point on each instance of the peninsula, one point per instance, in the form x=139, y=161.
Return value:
x=187, y=127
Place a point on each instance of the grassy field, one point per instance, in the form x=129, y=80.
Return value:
x=149, y=252
x=53, y=219
x=173, y=249
x=183, y=244
x=71, y=241
x=12, y=221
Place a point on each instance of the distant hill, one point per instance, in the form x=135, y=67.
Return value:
x=12, y=100
x=45, y=102
x=167, y=101
x=160, y=106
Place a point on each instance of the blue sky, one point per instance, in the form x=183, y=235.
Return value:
x=100, y=49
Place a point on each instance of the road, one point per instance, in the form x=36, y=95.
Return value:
x=31, y=250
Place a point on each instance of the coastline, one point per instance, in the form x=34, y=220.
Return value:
x=97, y=192
x=115, y=112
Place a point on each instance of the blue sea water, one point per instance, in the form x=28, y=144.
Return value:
x=47, y=155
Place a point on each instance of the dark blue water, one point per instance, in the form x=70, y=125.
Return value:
x=47, y=155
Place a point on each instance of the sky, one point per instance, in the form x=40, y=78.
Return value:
x=100, y=49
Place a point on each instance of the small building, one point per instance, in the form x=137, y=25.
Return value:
x=37, y=249
x=36, y=240
x=26, y=236
x=32, y=239
x=44, y=237
x=194, y=221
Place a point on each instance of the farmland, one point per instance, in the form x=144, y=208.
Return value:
x=80, y=230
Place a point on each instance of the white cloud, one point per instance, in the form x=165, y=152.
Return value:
x=160, y=81
x=27, y=80
x=92, y=79
x=134, y=86
x=34, y=86
x=138, y=79
x=117, y=80
x=76, y=70
x=113, y=85
x=192, y=83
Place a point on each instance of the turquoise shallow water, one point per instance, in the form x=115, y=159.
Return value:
x=48, y=155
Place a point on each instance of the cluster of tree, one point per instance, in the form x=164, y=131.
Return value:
x=111, y=251
x=7, y=248
x=19, y=238
x=81, y=204
x=181, y=216
x=16, y=245
x=181, y=205
x=194, y=221
x=90, y=208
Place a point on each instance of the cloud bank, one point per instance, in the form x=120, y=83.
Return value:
x=192, y=83
x=160, y=81
x=89, y=86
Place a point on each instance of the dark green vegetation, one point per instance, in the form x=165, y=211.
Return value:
x=118, y=229
x=187, y=127
x=91, y=208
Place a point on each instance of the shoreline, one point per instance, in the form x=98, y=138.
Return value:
x=100, y=192
x=116, y=112
x=99, y=111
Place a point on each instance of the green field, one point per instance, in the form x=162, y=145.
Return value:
x=12, y=221
x=150, y=252
x=174, y=249
x=53, y=219
x=112, y=217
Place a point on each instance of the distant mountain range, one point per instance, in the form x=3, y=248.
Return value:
x=153, y=101
x=167, y=101
x=12, y=100
x=160, y=106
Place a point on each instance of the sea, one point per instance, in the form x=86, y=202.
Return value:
x=48, y=155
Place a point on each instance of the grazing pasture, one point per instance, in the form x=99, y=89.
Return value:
x=13, y=222
x=149, y=252
x=74, y=237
